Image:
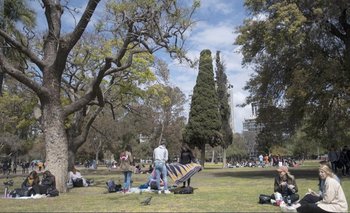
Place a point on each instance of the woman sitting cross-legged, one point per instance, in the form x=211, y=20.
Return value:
x=285, y=184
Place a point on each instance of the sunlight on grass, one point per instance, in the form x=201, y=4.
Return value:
x=216, y=190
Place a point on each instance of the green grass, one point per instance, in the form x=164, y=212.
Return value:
x=216, y=190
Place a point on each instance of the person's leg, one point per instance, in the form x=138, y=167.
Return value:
x=128, y=180
x=164, y=174
x=158, y=171
x=125, y=179
x=188, y=181
x=309, y=198
x=310, y=207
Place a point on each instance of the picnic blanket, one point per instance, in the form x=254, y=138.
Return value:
x=180, y=173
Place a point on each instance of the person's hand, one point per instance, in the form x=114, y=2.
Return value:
x=283, y=183
x=291, y=186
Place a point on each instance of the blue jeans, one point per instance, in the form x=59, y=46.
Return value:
x=161, y=169
x=127, y=179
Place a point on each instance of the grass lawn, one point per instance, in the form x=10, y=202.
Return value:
x=216, y=190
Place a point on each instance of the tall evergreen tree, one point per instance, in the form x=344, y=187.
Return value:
x=204, y=122
x=224, y=107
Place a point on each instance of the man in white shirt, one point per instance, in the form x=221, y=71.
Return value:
x=160, y=157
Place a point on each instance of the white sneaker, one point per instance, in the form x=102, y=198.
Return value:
x=159, y=192
x=167, y=192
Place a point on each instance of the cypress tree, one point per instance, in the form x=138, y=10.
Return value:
x=204, y=122
x=224, y=107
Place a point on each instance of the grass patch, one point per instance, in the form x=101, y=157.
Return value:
x=216, y=190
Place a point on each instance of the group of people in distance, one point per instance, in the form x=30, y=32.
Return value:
x=330, y=198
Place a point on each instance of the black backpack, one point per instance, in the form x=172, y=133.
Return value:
x=185, y=190
x=78, y=182
x=112, y=187
x=264, y=199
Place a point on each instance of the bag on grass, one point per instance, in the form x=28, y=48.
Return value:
x=52, y=192
x=78, y=182
x=112, y=187
x=264, y=199
x=185, y=190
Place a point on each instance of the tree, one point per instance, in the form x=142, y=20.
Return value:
x=225, y=112
x=301, y=55
x=204, y=121
x=14, y=12
x=141, y=26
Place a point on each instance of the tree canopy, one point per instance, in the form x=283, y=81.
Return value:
x=300, y=51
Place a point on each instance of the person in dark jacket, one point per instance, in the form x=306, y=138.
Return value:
x=186, y=157
x=31, y=183
x=285, y=184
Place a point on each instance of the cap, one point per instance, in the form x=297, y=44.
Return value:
x=283, y=169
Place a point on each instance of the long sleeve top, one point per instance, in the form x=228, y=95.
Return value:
x=333, y=197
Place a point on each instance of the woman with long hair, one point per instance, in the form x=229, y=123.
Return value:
x=126, y=161
x=333, y=199
x=286, y=185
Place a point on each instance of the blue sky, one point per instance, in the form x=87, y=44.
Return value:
x=216, y=21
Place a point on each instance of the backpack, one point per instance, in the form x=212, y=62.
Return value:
x=52, y=192
x=186, y=190
x=264, y=199
x=78, y=182
x=112, y=187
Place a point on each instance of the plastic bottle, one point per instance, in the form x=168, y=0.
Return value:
x=289, y=201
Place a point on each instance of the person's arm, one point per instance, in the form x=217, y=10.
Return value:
x=276, y=187
x=166, y=155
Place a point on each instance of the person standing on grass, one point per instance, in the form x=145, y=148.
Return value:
x=160, y=157
x=126, y=161
x=186, y=157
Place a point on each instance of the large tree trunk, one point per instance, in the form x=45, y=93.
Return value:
x=56, y=144
x=71, y=159
x=203, y=155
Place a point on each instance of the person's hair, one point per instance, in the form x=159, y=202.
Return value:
x=128, y=148
x=327, y=169
x=33, y=174
x=185, y=147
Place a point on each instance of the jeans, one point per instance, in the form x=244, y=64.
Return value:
x=161, y=170
x=127, y=179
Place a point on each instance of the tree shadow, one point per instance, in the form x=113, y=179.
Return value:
x=268, y=173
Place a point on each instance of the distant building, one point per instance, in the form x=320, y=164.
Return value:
x=250, y=131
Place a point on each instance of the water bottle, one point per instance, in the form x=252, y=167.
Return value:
x=289, y=201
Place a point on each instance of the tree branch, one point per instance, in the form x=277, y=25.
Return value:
x=80, y=140
x=73, y=38
x=23, y=49
x=91, y=93
x=18, y=75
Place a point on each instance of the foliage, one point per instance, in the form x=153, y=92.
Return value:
x=300, y=54
x=224, y=107
x=204, y=121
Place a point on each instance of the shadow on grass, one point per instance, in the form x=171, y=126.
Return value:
x=256, y=174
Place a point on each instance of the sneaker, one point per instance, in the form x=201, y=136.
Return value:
x=159, y=192
x=167, y=192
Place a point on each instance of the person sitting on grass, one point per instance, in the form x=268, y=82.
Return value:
x=314, y=197
x=75, y=179
x=285, y=184
x=31, y=181
x=333, y=197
